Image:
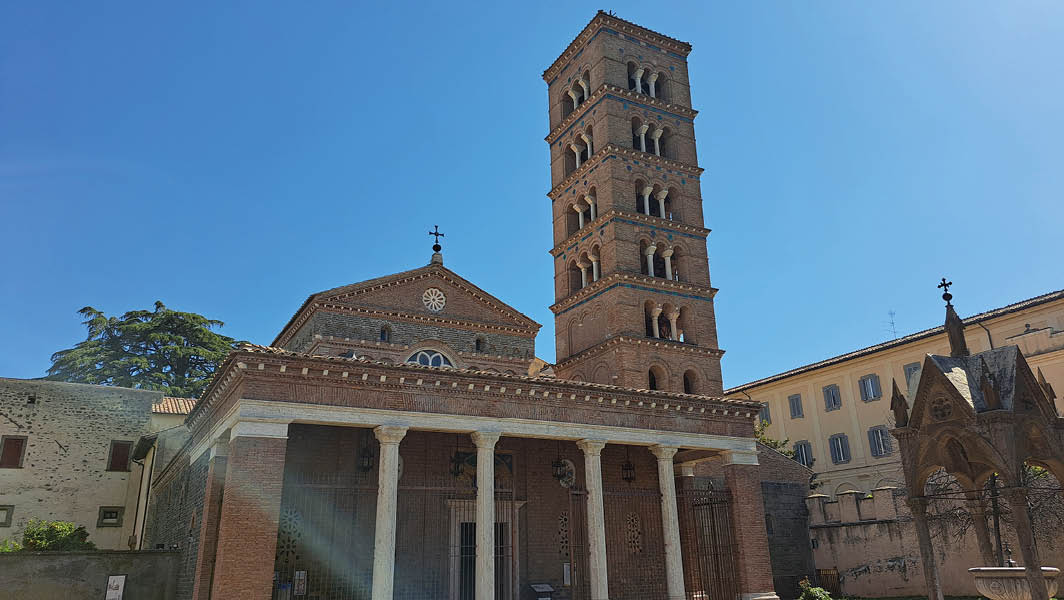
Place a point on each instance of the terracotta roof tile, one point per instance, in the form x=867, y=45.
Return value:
x=174, y=406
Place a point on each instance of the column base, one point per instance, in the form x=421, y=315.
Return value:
x=759, y=596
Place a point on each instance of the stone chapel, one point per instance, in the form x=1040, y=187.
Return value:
x=399, y=440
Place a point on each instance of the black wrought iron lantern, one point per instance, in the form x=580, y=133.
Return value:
x=365, y=460
x=557, y=468
x=627, y=469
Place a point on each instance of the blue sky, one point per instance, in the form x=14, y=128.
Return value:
x=232, y=158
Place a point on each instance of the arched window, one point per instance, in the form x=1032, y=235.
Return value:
x=429, y=358
x=689, y=380
x=386, y=334
x=652, y=380
x=479, y=345
x=639, y=135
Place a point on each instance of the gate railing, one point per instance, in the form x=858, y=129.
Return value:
x=709, y=548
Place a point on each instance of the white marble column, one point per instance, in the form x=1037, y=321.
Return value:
x=643, y=138
x=670, y=523
x=387, y=491
x=646, y=199
x=587, y=140
x=654, y=314
x=656, y=136
x=576, y=102
x=485, y=562
x=596, y=519
x=639, y=80
x=595, y=273
x=587, y=90
x=660, y=197
x=652, y=80
x=667, y=255
x=576, y=150
x=673, y=317
x=579, y=216
x=591, y=202
x=583, y=273
x=650, y=259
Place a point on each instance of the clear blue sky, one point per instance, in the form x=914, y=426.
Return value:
x=231, y=158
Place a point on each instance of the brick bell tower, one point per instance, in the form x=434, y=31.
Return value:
x=634, y=305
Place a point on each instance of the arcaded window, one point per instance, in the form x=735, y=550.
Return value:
x=429, y=358
x=386, y=334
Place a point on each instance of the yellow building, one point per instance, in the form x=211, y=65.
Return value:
x=836, y=412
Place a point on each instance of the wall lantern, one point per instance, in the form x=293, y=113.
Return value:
x=627, y=469
x=557, y=468
x=365, y=459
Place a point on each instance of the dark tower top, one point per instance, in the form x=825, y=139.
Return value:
x=954, y=325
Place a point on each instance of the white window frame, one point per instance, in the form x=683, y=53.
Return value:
x=843, y=454
x=836, y=397
x=803, y=449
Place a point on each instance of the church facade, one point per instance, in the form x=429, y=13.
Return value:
x=399, y=440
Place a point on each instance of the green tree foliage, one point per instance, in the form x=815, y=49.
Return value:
x=161, y=349
x=781, y=446
x=809, y=592
x=50, y=536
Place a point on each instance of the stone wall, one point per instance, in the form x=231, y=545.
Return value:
x=871, y=540
x=83, y=575
x=69, y=428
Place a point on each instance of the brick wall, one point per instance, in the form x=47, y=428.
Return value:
x=69, y=428
x=174, y=514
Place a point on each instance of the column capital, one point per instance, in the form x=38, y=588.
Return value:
x=642, y=130
x=673, y=315
x=667, y=253
x=661, y=194
x=591, y=447
x=485, y=439
x=593, y=258
x=585, y=137
x=220, y=447
x=654, y=312
x=664, y=453
x=652, y=77
x=389, y=434
x=685, y=469
x=577, y=208
x=651, y=249
x=258, y=429
x=657, y=133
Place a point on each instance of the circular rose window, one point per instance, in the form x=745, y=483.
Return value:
x=434, y=299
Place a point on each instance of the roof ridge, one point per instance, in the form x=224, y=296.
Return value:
x=976, y=318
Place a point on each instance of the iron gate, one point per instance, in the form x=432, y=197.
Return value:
x=710, y=552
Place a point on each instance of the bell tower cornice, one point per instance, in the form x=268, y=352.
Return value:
x=607, y=91
x=612, y=25
x=570, y=243
x=612, y=151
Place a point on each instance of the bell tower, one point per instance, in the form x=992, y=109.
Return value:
x=633, y=302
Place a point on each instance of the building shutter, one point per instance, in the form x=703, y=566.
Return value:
x=877, y=392
x=828, y=402
x=119, y=459
x=873, y=442
x=11, y=455
x=845, y=448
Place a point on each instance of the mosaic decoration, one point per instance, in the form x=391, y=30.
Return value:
x=289, y=534
x=633, y=533
x=563, y=535
x=941, y=409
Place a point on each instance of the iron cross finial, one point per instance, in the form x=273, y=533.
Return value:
x=945, y=290
x=436, y=247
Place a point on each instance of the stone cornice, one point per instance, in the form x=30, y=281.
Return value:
x=668, y=345
x=614, y=279
x=578, y=236
x=612, y=150
x=602, y=19
x=632, y=96
x=260, y=361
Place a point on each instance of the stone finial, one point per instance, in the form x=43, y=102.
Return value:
x=954, y=326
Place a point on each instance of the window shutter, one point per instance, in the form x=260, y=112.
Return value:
x=877, y=392
x=834, y=444
x=827, y=398
x=873, y=443
x=863, y=384
x=11, y=453
x=845, y=448
x=887, y=445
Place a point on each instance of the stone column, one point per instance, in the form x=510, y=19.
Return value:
x=251, y=509
x=579, y=216
x=660, y=197
x=576, y=150
x=596, y=519
x=583, y=273
x=587, y=140
x=651, y=249
x=672, y=317
x=639, y=79
x=652, y=80
x=485, y=532
x=656, y=136
x=572, y=94
x=670, y=523
x=595, y=272
x=977, y=508
x=654, y=314
x=387, y=496
x=646, y=191
x=209, y=520
x=918, y=508
x=592, y=203
x=667, y=255
x=587, y=92
x=747, y=507
x=643, y=139
x=1021, y=523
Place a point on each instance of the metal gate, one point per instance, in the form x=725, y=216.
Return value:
x=635, y=544
x=710, y=553
x=579, y=585
x=325, y=539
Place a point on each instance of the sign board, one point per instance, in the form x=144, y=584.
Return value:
x=299, y=583
x=542, y=587
x=116, y=587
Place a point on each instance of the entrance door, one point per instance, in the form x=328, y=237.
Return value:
x=467, y=562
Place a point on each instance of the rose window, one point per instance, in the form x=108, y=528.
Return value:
x=433, y=299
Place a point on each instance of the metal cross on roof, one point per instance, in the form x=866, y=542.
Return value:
x=945, y=290
x=436, y=247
